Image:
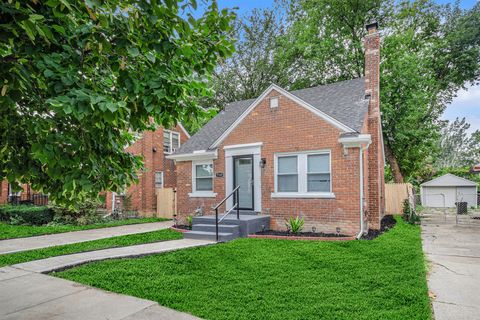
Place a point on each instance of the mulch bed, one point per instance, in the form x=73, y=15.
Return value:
x=181, y=228
x=387, y=223
x=275, y=234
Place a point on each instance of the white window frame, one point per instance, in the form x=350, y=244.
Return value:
x=155, y=178
x=302, y=171
x=170, y=148
x=202, y=193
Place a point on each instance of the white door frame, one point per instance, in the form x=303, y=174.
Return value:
x=242, y=150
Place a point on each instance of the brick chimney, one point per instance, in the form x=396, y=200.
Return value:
x=376, y=181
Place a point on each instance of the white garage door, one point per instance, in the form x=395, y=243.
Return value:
x=435, y=197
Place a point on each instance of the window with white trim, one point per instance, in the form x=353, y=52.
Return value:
x=159, y=179
x=171, y=141
x=203, y=177
x=307, y=173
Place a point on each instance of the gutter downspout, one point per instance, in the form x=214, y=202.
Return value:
x=362, y=223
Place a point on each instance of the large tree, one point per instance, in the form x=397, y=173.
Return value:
x=429, y=52
x=80, y=78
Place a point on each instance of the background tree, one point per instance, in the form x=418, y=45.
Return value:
x=456, y=146
x=79, y=78
x=252, y=68
x=429, y=52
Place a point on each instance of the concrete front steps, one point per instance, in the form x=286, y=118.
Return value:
x=203, y=228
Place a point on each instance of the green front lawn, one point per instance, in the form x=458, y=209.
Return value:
x=8, y=231
x=279, y=279
x=120, y=241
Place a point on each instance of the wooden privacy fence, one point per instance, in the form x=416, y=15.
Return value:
x=166, y=203
x=395, y=195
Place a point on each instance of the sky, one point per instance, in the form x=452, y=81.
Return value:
x=467, y=102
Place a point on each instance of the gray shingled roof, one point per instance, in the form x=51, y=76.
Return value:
x=343, y=101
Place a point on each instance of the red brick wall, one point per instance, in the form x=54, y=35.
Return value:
x=290, y=128
x=143, y=193
x=376, y=185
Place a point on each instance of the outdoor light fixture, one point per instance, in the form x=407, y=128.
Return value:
x=154, y=149
x=263, y=162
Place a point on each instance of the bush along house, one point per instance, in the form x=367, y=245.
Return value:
x=316, y=153
x=159, y=172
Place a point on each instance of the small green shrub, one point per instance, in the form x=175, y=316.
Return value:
x=295, y=225
x=409, y=214
x=189, y=220
x=26, y=214
x=83, y=214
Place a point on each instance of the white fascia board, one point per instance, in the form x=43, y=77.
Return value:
x=355, y=142
x=246, y=145
x=196, y=155
x=184, y=130
x=290, y=96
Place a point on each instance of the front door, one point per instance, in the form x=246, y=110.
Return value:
x=243, y=177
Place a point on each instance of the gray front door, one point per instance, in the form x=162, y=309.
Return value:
x=243, y=177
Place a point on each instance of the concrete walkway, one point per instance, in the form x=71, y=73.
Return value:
x=27, y=294
x=31, y=243
x=454, y=255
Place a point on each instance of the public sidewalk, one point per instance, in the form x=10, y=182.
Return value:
x=51, y=240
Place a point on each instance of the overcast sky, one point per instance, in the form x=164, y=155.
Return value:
x=466, y=104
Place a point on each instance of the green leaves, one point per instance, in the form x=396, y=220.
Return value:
x=77, y=77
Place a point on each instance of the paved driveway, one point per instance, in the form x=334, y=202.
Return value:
x=454, y=254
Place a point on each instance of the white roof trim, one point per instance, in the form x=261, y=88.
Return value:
x=196, y=155
x=289, y=95
x=358, y=141
x=431, y=183
x=184, y=130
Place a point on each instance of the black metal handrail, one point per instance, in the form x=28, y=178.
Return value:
x=235, y=206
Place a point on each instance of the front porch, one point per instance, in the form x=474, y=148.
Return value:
x=203, y=227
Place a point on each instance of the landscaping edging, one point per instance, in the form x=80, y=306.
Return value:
x=179, y=230
x=266, y=236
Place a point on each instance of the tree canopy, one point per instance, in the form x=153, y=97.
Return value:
x=428, y=52
x=80, y=78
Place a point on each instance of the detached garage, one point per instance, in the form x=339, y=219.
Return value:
x=448, y=189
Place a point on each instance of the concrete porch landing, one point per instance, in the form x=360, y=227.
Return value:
x=230, y=228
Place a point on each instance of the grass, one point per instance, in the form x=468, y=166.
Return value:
x=279, y=279
x=120, y=241
x=8, y=231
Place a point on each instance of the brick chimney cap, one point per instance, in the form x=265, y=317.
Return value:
x=372, y=26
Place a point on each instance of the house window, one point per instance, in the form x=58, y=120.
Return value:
x=305, y=174
x=159, y=179
x=171, y=141
x=203, y=177
x=318, y=173
x=287, y=175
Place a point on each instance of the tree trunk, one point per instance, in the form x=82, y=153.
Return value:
x=392, y=161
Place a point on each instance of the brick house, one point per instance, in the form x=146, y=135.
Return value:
x=159, y=171
x=315, y=153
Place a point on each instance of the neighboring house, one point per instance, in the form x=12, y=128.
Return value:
x=159, y=171
x=315, y=153
x=444, y=191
